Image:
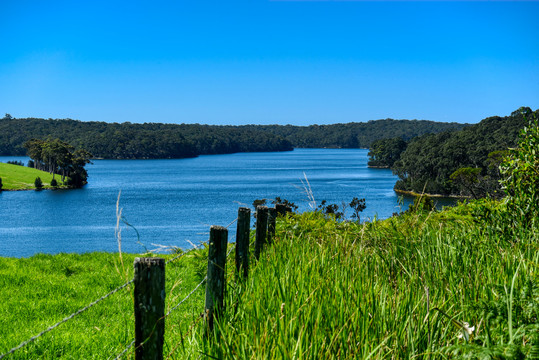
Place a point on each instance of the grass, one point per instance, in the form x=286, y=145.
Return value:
x=395, y=289
x=16, y=177
x=39, y=291
x=401, y=288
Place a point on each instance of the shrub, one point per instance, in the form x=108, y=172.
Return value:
x=38, y=183
x=0, y=184
x=520, y=175
x=54, y=183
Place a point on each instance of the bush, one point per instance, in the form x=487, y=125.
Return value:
x=38, y=183
x=520, y=175
x=54, y=183
x=0, y=184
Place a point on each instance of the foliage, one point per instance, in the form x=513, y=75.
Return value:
x=38, y=183
x=422, y=203
x=156, y=140
x=357, y=205
x=56, y=156
x=330, y=209
x=356, y=135
x=385, y=152
x=430, y=160
x=402, y=288
x=14, y=162
x=54, y=183
x=520, y=172
x=1, y=184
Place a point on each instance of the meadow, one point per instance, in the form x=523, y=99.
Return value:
x=16, y=177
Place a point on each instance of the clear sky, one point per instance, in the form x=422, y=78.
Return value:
x=267, y=62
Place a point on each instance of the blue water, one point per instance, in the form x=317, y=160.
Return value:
x=174, y=202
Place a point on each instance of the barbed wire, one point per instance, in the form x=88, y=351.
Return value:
x=187, y=297
x=195, y=247
x=233, y=221
x=78, y=312
x=125, y=350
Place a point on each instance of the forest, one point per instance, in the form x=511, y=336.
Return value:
x=158, y=140
x=460, y=163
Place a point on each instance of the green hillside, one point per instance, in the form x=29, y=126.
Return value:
x=16, y=177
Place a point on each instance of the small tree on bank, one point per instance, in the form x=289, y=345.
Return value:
x=38, y=183
x=0, y=184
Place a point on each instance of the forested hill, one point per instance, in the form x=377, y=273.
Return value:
x=356, y=135
x=156, y=140
x=138, y=141
x=462, y=162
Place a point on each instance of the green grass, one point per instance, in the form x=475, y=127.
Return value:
x=330, y=290
x=39, y=291
x=16, y=177
x=392, y=289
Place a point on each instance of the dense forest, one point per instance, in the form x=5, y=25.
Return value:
x=157, y=140
x=462, y=163
x=356, y=135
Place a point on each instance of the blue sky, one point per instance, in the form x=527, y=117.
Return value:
x=267, y=62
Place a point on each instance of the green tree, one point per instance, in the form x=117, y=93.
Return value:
x=1, y=184
x=468, y=180
x=520, y=171
x=357, y=205
x=385, y=152
x=38, y=183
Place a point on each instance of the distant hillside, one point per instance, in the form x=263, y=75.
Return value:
x=429, y=161
x=156, y=140
x=356, y=135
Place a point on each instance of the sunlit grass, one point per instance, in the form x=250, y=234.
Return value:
x=16, y=177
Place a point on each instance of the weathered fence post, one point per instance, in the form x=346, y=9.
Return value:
x=272, y=216
x=215, y=284
x=242, y=241
x=149, y=282
x=261, y=229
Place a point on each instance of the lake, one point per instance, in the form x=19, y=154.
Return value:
x=174, y=202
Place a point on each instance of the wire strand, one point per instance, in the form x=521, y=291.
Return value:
x=78, y=312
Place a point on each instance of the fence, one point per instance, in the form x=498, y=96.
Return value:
x=149, y=282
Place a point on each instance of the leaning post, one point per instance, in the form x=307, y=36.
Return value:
x=242, y=241
x=149, y=298
x=215, y=284
x=261, y=229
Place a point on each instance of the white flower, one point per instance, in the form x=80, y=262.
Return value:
x=466, y=331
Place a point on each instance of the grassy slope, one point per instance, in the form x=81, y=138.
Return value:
x=324, y=289
x=16, y=177
x=340, y=290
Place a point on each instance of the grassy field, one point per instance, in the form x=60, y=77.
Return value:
x=16, y=177
x=39, y=291
x=401, y=288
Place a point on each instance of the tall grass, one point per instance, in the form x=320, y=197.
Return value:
x=396, y=289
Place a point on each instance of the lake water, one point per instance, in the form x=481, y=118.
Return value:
x=174, y=202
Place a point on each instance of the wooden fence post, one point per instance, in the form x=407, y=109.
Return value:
x=242, y=241
x=149, y=295
x=272, y=216
x=261, y=229
x=215, y=284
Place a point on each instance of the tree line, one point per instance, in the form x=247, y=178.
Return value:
x=157, y=140
x=461, y=163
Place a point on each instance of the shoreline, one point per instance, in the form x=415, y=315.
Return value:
x=414, y=194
